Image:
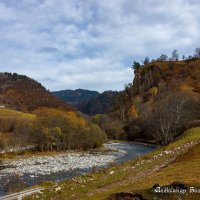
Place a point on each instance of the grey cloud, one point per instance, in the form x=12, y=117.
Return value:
x=87, y=43
x=48, y=50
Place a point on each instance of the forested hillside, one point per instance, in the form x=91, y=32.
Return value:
x=23, y=93
x=99, y=104
x=164, y=98
x=75, y=97
x=86, y=101
x=30, y=115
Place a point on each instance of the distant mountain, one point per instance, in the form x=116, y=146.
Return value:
x=88, y=102
x=75, y=97
x=23, y=93
x=97, y=105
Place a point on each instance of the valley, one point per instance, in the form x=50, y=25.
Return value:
x=99, y=100
x=49, y=144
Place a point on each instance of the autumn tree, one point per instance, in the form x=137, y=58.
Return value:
x=153, y=91
x=132, y=112
x=60, y=130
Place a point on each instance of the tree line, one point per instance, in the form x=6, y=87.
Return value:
x=49, y=130
x=163, y=57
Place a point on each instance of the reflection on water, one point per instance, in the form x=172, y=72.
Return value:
x=10, y=183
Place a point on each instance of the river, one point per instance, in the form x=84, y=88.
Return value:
x=26, y=172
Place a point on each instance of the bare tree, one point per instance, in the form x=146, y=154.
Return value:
x=169, y=115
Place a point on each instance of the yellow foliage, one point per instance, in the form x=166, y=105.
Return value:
x=49, y=129
x=132, y=112
x=70, y=116
x=153, y=91
x=74, y=119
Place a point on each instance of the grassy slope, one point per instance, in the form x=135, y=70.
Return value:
x=15, y=114
x=176, y=162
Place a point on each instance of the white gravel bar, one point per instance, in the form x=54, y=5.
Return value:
x=44, y=165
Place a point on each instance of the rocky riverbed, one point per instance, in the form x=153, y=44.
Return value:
x=45, y=165
x=36, y=169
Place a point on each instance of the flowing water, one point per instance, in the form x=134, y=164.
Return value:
x=37, y=169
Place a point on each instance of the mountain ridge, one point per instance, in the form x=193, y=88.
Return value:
x=87, y=101
x=99, y=104
x=24, y=93
x=74, y=97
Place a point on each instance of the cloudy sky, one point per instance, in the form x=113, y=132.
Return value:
x=91, y=44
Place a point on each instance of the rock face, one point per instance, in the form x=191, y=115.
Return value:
x=125, y=196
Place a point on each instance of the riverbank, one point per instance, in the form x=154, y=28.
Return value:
x=35, y=169
x=20, y=153
x=17, y=153
x=177, y=162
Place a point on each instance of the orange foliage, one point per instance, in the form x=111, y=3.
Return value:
x=132, y=112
